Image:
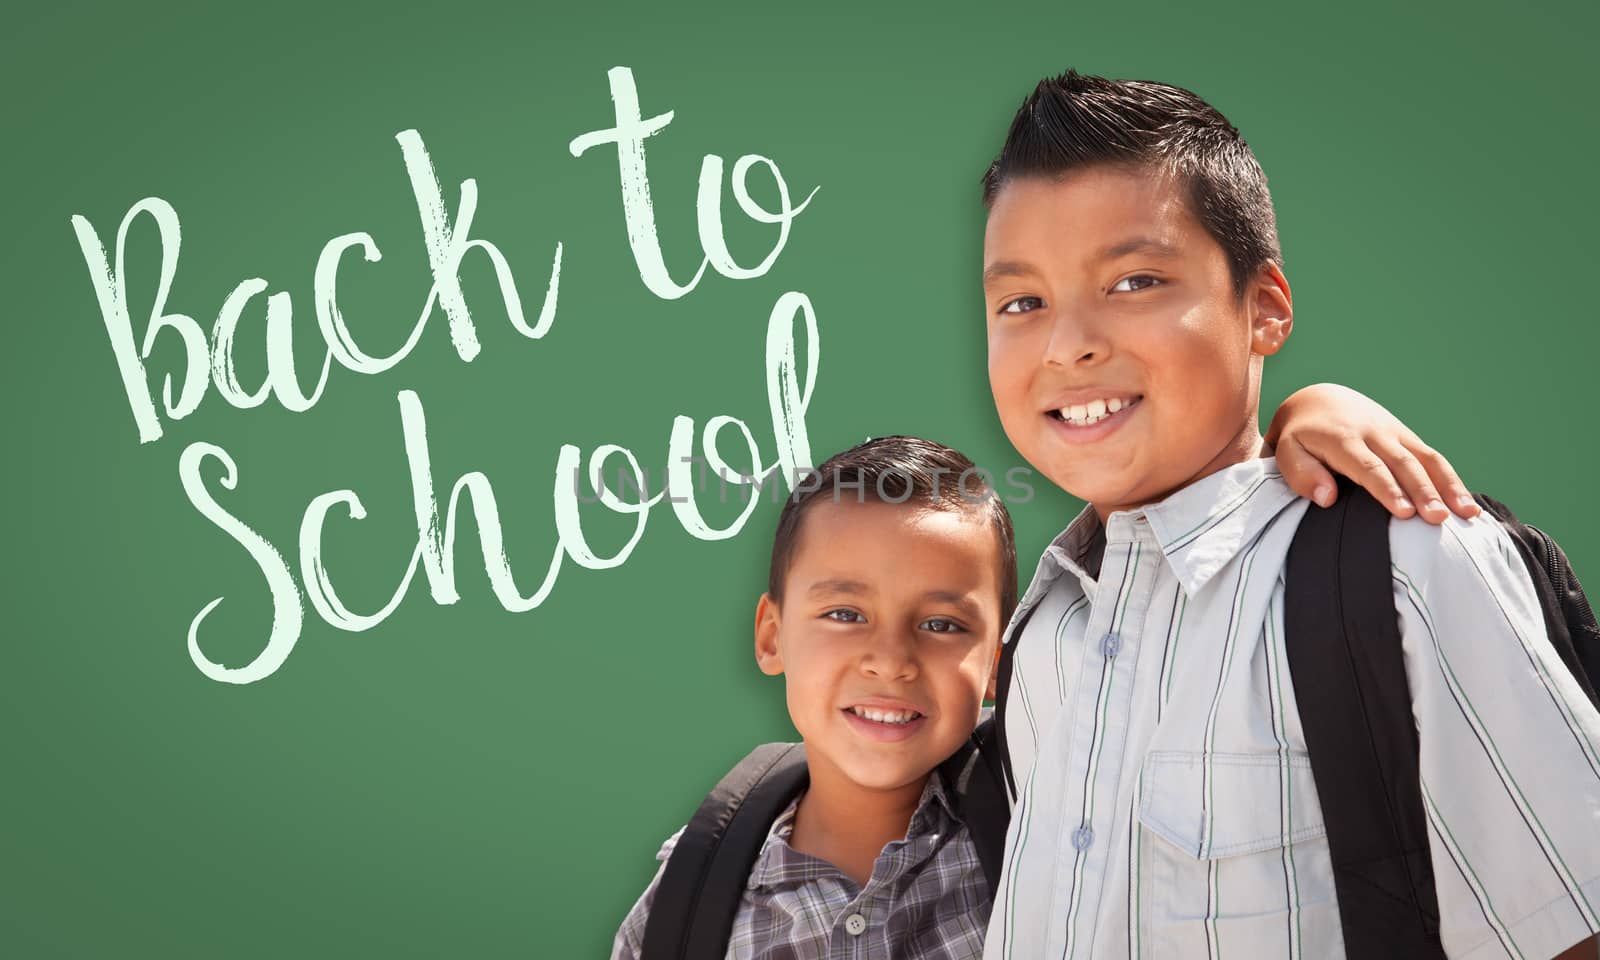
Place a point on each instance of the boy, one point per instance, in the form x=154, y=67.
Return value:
x=889, y=583
x=891, y=577
x=1134, y=285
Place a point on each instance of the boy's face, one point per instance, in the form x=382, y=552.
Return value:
x=1123, y=364
x=886, y=636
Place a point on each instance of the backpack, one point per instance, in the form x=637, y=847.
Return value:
x=1342, y=640
x=698, y=896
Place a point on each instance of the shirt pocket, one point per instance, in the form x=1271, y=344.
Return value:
x=1233, y=857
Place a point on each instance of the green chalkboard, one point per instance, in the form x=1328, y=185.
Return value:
x=331, y=775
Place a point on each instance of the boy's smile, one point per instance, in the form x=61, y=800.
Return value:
x=1086, y=420
x=886, y=637
x=1123, y=361
x=886, y=719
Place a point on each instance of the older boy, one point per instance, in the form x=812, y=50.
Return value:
x=1134, y=286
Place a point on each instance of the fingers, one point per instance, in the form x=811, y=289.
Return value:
x=1450, y=486
x=1413, y=478
x=1305, y=474
x=1384, y=479
x=1404, y=474
x=1323, y=428
x=1349, y=454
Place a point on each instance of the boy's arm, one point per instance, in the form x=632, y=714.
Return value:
x=629, y=942
x=1509, y=747
x=1328, y=426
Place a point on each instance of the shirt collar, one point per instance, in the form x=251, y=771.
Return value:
x=1199, y=529
x=1202, y=527
x=780, y=864
x=1061, y=556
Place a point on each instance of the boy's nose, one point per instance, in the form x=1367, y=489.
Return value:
x=890, y=657
x=1075, y=339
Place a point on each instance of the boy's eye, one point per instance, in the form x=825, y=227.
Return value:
x=1134, y=283
x=844, y=616
x=941, y=625
x=1022, y=305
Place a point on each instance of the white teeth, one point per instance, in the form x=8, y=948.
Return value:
x=1084, y=414
x=885, y=716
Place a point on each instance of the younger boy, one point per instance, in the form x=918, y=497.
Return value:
x=889, y=583
x=1134, y=285
x=891, y=576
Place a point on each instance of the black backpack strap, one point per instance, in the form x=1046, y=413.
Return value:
x=1002, y=688
x=1568, y=618
x=1342, y=639
x=976, y=780
x=704, y=880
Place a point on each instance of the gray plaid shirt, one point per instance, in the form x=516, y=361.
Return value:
x=926, y=898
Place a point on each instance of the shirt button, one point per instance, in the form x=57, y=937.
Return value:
x=1110, y=645
x=855, y=924
x=1082, y=838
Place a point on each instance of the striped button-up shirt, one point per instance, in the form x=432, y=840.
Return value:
x=926, y=898
x=1167, y=807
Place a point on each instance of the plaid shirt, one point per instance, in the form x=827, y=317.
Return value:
x=926, y=898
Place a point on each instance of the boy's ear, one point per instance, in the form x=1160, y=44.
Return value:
x=1271, y=307
x=768, y=657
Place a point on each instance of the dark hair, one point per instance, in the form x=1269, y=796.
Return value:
x=1075, y=121
x=898, y=470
